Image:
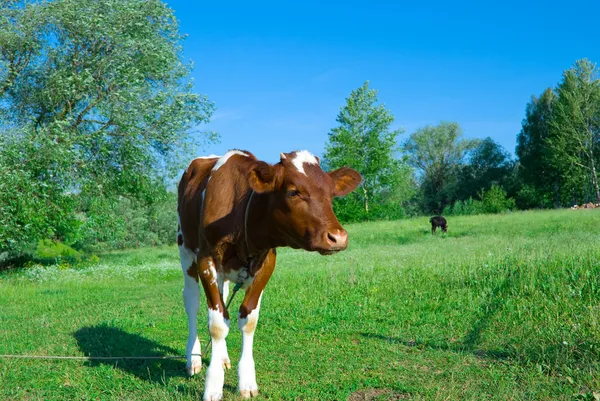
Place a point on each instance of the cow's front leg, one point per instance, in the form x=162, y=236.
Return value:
x=218, y=328
x=224, y=291
x=247, y=321
x=246, y=370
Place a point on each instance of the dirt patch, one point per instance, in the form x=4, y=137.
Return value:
x=377, y=394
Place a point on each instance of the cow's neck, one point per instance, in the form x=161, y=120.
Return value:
x=259, y=235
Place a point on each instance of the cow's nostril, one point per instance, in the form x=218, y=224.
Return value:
x=332, y=238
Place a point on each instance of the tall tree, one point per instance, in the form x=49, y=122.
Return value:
x=535, y=159
x=575, y=128
x=95, y=98
x=365, y=141
x=438, y=152
x=102, y=78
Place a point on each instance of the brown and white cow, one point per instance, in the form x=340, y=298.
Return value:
x=234, y=211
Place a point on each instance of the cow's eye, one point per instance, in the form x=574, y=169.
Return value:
x=293, y=193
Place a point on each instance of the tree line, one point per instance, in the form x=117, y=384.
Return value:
x=98, y=116
x=436, y=170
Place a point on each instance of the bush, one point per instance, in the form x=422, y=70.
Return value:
x=387, y=211
x=464, y=208
x=350, y=210
x=491, y=201
x=121, y=222
x=528, y=197
x=36, y=205
x=29, y=210
x=495, y=200
x=49, y=249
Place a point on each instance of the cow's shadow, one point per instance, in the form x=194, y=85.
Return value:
x=107, y=341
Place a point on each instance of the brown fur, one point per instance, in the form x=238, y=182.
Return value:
x=193, y=271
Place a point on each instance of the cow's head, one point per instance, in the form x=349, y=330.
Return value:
x=300, y=195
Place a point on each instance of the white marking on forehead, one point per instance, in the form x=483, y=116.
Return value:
x=301, y=157
x=226, y=157
x=202, y=157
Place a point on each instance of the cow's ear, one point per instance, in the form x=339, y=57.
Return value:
x=262, y=177
x=346, y=180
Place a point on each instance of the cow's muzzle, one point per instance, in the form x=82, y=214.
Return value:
x=333, y=241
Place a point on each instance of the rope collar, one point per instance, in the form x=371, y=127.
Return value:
x=246, y=225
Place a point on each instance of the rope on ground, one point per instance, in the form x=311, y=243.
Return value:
x=89, y=358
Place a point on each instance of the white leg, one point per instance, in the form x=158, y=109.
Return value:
x=224, y=291
x=246, y=371
x=191, y=299
x=218, y=327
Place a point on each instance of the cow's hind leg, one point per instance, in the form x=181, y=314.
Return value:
x=218, y=328
x=191, y=299
x=247, y=321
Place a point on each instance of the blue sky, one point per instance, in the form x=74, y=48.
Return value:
x=278, y=72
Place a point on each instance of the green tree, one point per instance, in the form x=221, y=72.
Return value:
x=98, y=92
x=558, y=147
x=365, y=141
x=488, y=163
x=575, y=127
x=438, y=153
x=536, y=168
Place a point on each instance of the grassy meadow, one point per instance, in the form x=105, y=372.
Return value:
x=503, y=307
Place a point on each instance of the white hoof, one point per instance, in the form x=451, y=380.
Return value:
x=226, y=363
x=194, y=366
x=213, y=397
x=249, y=393
x=215, y=378
x=247, y=379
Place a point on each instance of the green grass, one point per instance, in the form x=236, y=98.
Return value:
x=503, y=307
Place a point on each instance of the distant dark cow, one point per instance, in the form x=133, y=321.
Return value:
x=234, y=211
x=438, y=221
